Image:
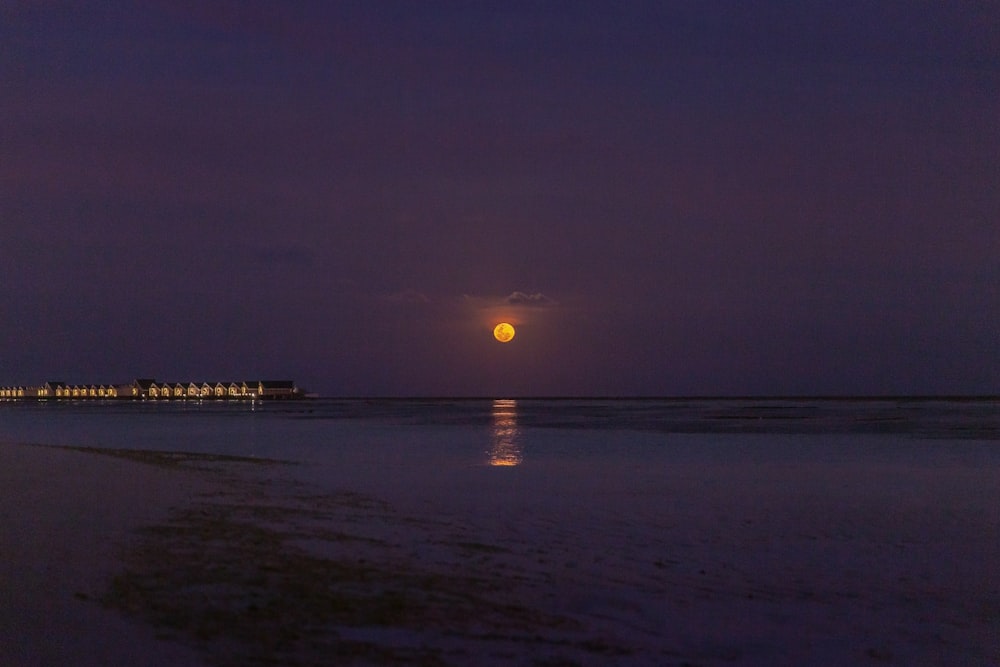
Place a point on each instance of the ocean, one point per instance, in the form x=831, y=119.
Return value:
x=472, y=430
x=440, y=446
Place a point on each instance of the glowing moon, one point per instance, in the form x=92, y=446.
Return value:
x=503, y=332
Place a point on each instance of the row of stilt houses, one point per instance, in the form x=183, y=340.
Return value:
x=148, y=388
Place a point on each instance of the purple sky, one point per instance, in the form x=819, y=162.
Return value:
x=664, y=197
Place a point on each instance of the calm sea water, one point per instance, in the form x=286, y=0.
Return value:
x=515, y=432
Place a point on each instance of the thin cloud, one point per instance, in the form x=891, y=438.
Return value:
x=536, y=300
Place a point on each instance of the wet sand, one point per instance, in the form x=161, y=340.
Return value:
x=65, y=518
x=152, y=559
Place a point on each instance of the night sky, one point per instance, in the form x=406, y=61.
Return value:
x=665, y=198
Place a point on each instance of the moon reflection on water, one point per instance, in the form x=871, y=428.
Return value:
x=506, y=446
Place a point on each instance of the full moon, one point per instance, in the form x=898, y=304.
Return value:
x=503, y=332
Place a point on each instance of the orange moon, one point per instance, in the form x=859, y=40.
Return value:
x=503, y=332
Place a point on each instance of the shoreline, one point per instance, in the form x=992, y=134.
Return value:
x=204, y=559
x=64, y=517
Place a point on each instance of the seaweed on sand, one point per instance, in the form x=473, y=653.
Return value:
x=266, y=575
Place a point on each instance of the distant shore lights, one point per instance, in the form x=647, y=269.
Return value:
x=148, y=388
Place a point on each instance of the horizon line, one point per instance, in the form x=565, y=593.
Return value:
x=668, y=397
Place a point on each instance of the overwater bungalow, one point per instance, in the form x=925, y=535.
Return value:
x=143, y=388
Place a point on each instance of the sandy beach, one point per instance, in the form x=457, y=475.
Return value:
x=151, y=559
x=65, y=519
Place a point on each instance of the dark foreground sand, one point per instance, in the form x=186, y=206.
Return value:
x=65, y=518
x=157, y=559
